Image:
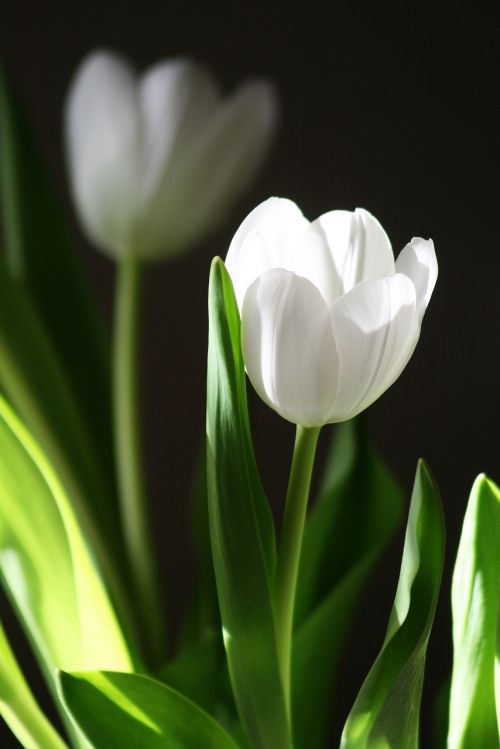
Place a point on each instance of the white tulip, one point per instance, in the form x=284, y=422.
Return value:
x=156, y=160
x=329, y=319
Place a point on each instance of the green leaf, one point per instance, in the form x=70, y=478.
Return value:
x=125, y=711
x=19, y=708
x=386, y=712
x=46, y=566
x=202, y=622
x=40, y=256
x=440, y=710
x=198, y=673
x=356, y=514
x=474, y=716
x=241, y=529
x=31, y=375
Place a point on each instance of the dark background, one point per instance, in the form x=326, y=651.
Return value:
x=386, y=108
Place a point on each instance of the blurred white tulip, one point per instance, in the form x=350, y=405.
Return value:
x=156, y=160
x=329, y=320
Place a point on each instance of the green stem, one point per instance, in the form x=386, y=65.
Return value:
x=134, y=508
x=292, y=530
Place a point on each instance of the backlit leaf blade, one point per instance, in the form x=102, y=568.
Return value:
x=19, y=708
x=241, y=530
x=40, y=256
x=356, y=515
x=474, y=713
x=46, y=566
x=127, y=711
x=386, y=712
x=32, y=377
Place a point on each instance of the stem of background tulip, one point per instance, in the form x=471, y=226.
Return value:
x=129, y=458
x=292, y=530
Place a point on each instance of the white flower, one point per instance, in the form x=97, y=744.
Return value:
x=155, y=161
x=329, y=320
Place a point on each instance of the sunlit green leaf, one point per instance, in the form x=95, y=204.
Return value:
x=40, y=256
x=19, y=708
x=241, y=529
x=474, y=716
x=386, y=712
x=355, y=516
x=31, y=375
x=127, y=711
x=46, y=566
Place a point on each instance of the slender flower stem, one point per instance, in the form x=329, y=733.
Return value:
x=134, y=509
x=292, y=530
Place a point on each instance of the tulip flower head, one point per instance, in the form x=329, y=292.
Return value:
x=156, y=160
x=329, y=319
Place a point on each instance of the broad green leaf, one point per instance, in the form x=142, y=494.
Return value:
x=40, y=256
x=241, y=529
x=474, y=716
x=356, y=514
x=19, y=708
x=386, y=712
x=127, y=711
x=46, y=566
x=32, y=377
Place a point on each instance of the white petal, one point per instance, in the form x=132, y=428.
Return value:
x=103, y=143
x=177, y=98
x=376, y=328
x=418, y=261
x=266, y=239
x=289, y=348
x=345, y=248
x=313, y=258
x=219, y=165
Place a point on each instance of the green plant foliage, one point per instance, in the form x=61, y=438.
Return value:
x=19, y=708
x=202, y=622
x=31, y=376
x=198, y=673
x=46, y=566
x=41, y=257
x=474, y=717
x=386, y=712
x=241, y=530
x=440, y=715
x=357, y=512
x=126, y=711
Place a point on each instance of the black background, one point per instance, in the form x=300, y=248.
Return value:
x=388, y=108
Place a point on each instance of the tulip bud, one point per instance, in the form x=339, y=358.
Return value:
x=156, y=161
x=329, y=320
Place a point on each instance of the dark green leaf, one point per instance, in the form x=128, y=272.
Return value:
x=440, y=715
x=199, y=673
x=386, y=712
x=127, y=711
x=474, y=716
x=202, y=623
x=40, y=257
x=356, y=515
x=241, y=530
